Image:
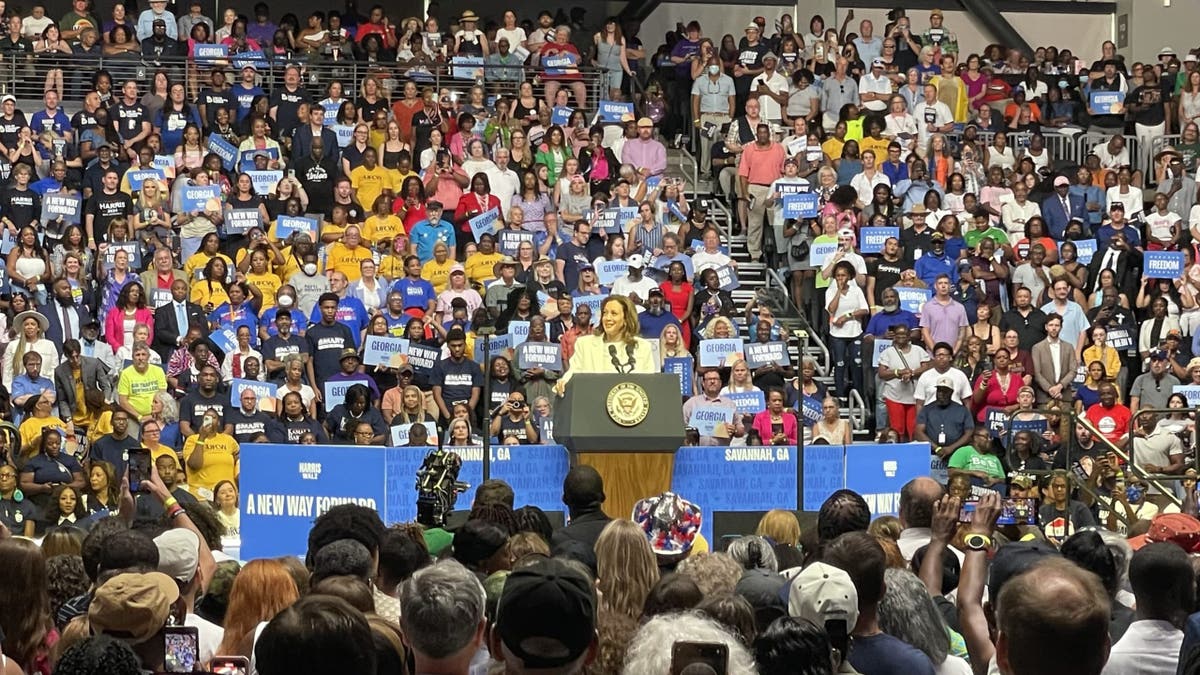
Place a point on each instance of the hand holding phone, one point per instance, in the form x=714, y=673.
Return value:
x=712, y=654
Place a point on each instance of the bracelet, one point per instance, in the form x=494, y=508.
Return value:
x=174, y=512
x=170, y=501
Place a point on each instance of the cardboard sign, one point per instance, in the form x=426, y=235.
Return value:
x=510, y=240
x=497, y=346
x=559, y=64
x=208, y=54
x=165, y=164
x=881, y=346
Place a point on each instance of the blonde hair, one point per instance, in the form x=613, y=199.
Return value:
x=780, y=526
x=626, y=568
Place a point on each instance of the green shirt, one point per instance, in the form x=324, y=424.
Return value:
x=973, y=237
x=967, y=458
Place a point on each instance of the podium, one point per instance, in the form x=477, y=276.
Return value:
x=627, y=427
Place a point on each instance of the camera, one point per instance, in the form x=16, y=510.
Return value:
x=438, y=487
x=516, y=405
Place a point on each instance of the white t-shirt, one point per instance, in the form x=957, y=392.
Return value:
x=32, y=28
x=702, y=260
x=869, y=84
x=623, y=286
x=514, y=36
x=930, y=115
x=769, y=108
x=210, y=634
x=927, y=385
x=895, y=389
x=1160, y=225
x=852, y=301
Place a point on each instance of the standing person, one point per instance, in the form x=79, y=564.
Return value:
x=713, y=104
x=749, y=64
x=943, y=319
x=1054, y=364
x=328, y=339
x=647, y=155
x=456, y=379
x=900, y=366
x=847, y=308
x=760, y=166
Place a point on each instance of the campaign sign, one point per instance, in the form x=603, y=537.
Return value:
x=199, y=198
x=801, y=205
x=519, y=332
x=545, y=355
x=871, y=239
x=246, y=157
x=497, y=345
x=607, y=221
x=225, y=339
x=331, y=111
x=382, y=350
x=286, y=226
x=996, y=422
x=1119, y=338
x=720, y=352
x=819, y=253
x=160, y=297
x=1037, y=427
x=558, y=64
x=593, y=302
x=1191, y=391
x=1162, y=264
x=752, y=402
x=484, y=223
x=400, y=432
x=811, y=410
x=208, y=54
x=1107, y=102
x=510, y=240
x=736, y=479
x=881, y=346
x=61, y=206
x=253, y=57
x=263, y=390
x=728, y=277
x=608, y=271
x=466, y=67
x=613, y=111
x=697, y=245
x=1084, y=250
x=681, y=366
x=561, y=115
x=911, y=299
x=241, y=221
x=139, y=176
x=878, y=472
x=264, y=182
x=759, y=354
x=223, y=149
x=132, y=248
x=824, y=472
x=422, y=358
x=165, y=164
x=708, y=418
x=335, y=392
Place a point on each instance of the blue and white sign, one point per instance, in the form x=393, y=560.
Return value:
x=759, y=354
x=728, y=277
x=133, y=249
x=139, y=176
x=466, y=67
x=911, y=299
x=709, y=419
x=497, y=346
x=1162, y=264
x=593, y=302
x=608, y=271
x=400, y=432
x=878, y=472
x=683, y=367
x=422, y=358
x=736, y=479
x=285, y=226
x=335, y=392
x=720, y=352
x=264, y=182
x=200, y=198
x=811, y=410
x=559, y=64
x=1191, y=391
x=608, y=221
x=824, y=472
x=1084, y=250
x=801, y=205
x=241, y=221
x=872, y=238
x=612, y=111
x=383, y=350
x=165, y=164
x=561, y=115
x=253, y=57
x=819, y=253
x=752, y=402
x=519, y=332
x=881, y=345
x=65, y=207
x=246, y=158
x=225, y=339
x=1037, y=427
x=208, y=54
x=262, y=390
x=545, y=355
x=1107, y=102
x=484, y=223
x=223, y=149
x=997, y=421
x=510, y=240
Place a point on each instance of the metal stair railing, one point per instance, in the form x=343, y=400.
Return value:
x=1153, y=480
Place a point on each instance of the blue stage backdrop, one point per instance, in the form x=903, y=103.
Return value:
x=285, y=487
x=734, y=479
x=877, y=472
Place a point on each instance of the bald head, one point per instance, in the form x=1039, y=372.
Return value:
x=917, y=498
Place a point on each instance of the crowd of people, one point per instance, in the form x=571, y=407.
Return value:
x=215, y=239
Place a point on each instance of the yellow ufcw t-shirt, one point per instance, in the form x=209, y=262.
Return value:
x=437, y=273
x=370, y=183
x=220, y=463
x=346, y=260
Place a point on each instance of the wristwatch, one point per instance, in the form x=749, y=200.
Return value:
x=977, y=542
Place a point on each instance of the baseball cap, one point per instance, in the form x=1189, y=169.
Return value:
x=1021, y=480
x=347, y=353
x=935, y=12
x=178, y=554
x=8, y=97
x=877, y=63
x=670, y=522
x=822, y=592
x=251, y=66
x=133, y=606
x=937, y=236
x=645, y=122
x=1158, y=355
x=547, y=614
x=457, y=268
x=636, y=261
x=1062, y=181
x=944, y=382
x=655, y=291
x=1177, y=528
x=1014, y=559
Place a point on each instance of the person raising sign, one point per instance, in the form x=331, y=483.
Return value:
x=615, y=348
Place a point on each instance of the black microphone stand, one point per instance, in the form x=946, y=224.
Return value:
x=485, y=333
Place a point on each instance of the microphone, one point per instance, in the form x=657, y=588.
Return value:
x=612, y=352
x=629, y=353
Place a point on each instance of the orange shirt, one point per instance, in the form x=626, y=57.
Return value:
x=761, y=166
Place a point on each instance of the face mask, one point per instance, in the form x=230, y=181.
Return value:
x=287, y=300
x=713, y=70
x=310, y=269
x=1062, y=84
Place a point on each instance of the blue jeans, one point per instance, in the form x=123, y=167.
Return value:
x=847, y=360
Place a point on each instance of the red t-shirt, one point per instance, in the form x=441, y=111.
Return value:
x=1112, y=423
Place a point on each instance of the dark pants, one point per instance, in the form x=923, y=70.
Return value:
x=846, y=354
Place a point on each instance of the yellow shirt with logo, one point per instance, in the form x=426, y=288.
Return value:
x=140, y=388
x=480, y=266
x=376, y=229
x=437, y=273
x=267, y=283
x=220, y=463
x=370, y=183
x=344, y=259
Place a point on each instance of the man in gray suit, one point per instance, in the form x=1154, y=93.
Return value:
x=1054, y=363
x=97, y=383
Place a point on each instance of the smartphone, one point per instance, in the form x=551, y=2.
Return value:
x=139, y=468
x=229, y=665
x=712, y=654
x=181, y=649
x=1013, y=511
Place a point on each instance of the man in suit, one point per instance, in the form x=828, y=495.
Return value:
x=97, y=383
x=161, y=276
x=65, y=318
x=1054, y=364
x=171, y=321
x=1061, y=207
x=1124, y=261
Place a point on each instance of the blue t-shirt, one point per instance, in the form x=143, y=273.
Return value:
x=456, y=379
x=418, y=293
x=266, y=319
x=881, y=322
x=351, y=313
x=227, y=316
x=426, y=235
x=52, y=470
x=58, y=123
x=883, y=654
x=245, y=97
